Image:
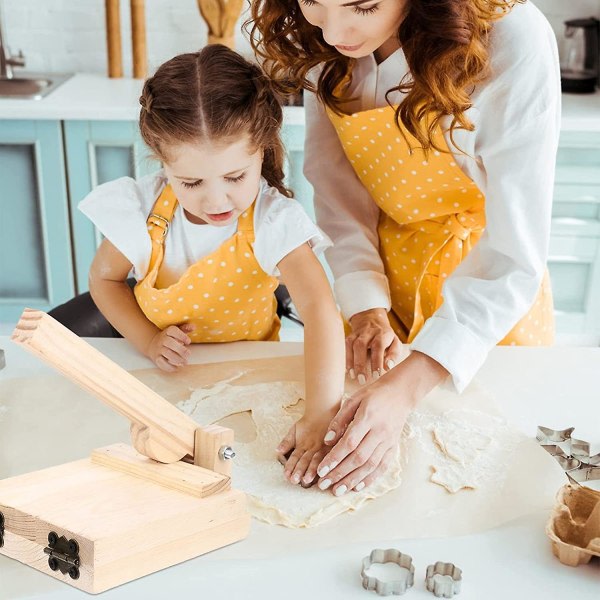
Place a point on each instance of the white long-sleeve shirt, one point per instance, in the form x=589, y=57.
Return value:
x=510, y=156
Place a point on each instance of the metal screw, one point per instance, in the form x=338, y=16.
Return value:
x=226, y=453
x=52, y=539
x=74, y=573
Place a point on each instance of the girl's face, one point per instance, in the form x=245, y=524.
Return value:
x=356, y=28
x=214, y=183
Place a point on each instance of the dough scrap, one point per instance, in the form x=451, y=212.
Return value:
x=274, y=407
x=467, y=448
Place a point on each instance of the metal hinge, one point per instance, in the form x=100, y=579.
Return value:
x=63, y=555
x=1, y=530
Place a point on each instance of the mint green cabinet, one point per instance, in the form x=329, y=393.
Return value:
x=36, y=268
x=574, y=255
x=293, y=139
x=97, y=152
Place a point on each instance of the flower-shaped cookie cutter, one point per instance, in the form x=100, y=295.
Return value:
x=443, y=579
x=395, y=586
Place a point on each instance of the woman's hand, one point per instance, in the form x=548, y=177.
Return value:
x=367, y=428
x=305, y=438
x=372, y=341
x=168, y=349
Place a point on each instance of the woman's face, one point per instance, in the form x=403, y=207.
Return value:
x=356, y=28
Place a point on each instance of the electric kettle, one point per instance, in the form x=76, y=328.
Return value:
x=580, y=56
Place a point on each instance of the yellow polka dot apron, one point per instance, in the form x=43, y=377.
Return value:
x=432, y=215
x=226, y=294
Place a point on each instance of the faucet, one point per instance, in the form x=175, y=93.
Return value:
x=7, y=61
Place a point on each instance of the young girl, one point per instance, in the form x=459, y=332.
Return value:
x=207, y=237
x=439, y=122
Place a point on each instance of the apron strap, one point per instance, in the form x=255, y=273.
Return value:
x=159, y=219
x=246, y=222
x=158, y=223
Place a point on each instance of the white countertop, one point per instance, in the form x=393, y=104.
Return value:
x=556, y=387
x=98, y=98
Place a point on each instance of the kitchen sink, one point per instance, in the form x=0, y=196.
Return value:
x=32, y=86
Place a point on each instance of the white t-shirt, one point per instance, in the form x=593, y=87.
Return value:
x=510, y=156
x=119, y=209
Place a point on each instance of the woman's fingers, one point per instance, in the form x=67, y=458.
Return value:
x=348, y=443
x=358, y=475
x=377, y=472
x=379, y=345
x=394, y=354
x=350, y=356
x=360, y=352
x=342, y=419
x=362, y=453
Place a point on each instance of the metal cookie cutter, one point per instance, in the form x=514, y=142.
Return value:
x=395, y=586
x=572, y=455
x=443, y=579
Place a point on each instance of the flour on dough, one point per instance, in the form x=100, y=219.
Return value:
x=464, y=446
x=274, y=407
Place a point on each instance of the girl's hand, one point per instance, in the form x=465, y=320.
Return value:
x=305, y=438
x=372, y=341
x=168, y=349
x=367, y=428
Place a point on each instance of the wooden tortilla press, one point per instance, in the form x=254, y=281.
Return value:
x=120, y=514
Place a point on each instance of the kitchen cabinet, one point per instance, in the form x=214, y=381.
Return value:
x=574, y=255
x=97, y=152
x=36, y=267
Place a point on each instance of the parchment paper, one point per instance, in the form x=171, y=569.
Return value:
x=48, y=421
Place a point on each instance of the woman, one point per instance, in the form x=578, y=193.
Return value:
x=432, y=129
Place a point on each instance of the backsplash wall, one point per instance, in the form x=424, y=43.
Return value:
x=69, y=35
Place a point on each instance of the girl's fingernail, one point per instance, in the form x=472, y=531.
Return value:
x=325, y=484
x=360, y=486
x=362, y=379
x=330, y=436
x=375, y=375
x=352, y=374
x=390, y=364
x=296, y=478
x=340, y=491
x=323, y=471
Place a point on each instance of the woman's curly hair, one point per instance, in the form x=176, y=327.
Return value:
x=445, y=42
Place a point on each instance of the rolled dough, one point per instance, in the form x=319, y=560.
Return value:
x=273, y=408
